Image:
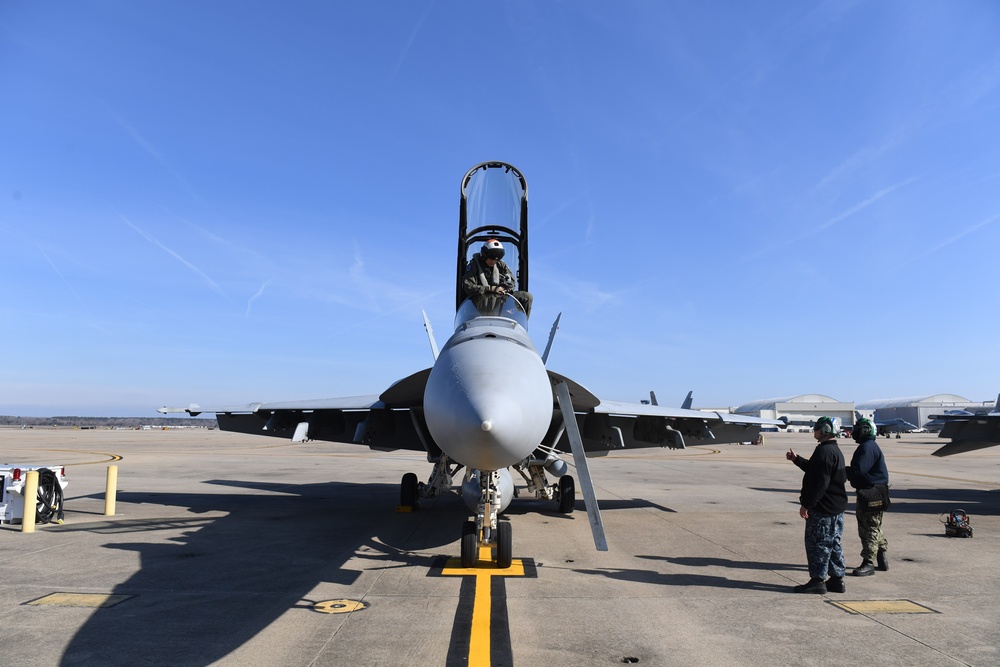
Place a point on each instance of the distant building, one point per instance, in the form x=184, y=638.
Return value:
x=917, y=410
x=799, y=412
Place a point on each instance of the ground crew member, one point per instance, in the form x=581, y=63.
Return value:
x=869, y=475
x=822, y=503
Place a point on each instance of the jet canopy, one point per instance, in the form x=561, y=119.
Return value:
x=491, y=306
x=493, y=205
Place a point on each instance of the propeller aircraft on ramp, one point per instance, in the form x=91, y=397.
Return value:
x=489, y=404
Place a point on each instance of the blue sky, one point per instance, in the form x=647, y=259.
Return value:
x=224, y=202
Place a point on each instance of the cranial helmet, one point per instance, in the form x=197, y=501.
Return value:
x=492, y=249
x=825, y=425
x=863, y=430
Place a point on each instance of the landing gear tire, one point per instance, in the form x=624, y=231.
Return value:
x=567, y=494
x=408, y=495
x=470, y=544
x=505, y=541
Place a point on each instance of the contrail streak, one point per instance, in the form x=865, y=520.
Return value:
x=154, y=241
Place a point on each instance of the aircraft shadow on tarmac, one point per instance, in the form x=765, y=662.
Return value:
x=686, y=579
x=205, y=592
x=925, y=501
x=699, y=561
x=531, y=506
x=220, y=580
x=941, y=501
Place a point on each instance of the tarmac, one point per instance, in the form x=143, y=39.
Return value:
x=228, y=549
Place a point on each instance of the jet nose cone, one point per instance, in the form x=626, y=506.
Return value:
x=483, y=414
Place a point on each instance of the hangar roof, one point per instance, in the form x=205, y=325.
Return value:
x=769, y=403
x=912, y=401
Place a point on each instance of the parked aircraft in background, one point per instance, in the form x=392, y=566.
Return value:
x=489, y=404
x=897, y=426
x=937, y=422
x=969, y=432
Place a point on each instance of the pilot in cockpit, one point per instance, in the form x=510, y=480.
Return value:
x=488, y=275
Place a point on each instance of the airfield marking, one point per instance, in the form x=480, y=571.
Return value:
x=111, y=457
x=865, y=607
x=343, y=606
x=481, y=635
x=949, y=479
x=88, y=600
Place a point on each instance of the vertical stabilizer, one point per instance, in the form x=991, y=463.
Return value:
x=688, y=400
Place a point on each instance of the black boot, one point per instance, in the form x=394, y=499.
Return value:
x=882, y=560
x=836, y=585
x=866, y=569
x=815, y=585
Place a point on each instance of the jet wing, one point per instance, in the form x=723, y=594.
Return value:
x=968, y=433
x=387, y=421
x=607, y=426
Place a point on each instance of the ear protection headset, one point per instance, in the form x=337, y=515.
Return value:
x=824, y=425
x=863, y=429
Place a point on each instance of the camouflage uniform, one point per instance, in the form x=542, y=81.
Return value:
x=873, y=539
x=823, y=548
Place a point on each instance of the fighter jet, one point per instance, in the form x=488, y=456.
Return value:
x=896, y=426
x=937, y=423
x=969, y=432
x=489, y=405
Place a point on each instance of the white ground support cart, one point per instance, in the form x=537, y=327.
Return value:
x=48, y=504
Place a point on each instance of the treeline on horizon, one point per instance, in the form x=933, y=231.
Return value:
x=109, y=422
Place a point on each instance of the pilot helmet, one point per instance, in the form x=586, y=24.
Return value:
x=863, y=430
x=825, y=425
x=492, y=249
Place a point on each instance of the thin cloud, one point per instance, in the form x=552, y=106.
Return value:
x=854, y=163
x=409, y=42
x=257, y=295
x=155, y=154
x=864, y=204
x=840, y=217
x=76, y=294
x=949, y=105
x=382, y=295
x=953, y=239
x=215, y=286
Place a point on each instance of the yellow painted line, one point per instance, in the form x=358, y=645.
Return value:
x=882, y=607
x=89, y=600
x=111, y=457
x=482, y=606
x=485, y=565
x=479, y=638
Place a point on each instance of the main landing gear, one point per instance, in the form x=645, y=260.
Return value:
x=441, y=479
x=563, y=492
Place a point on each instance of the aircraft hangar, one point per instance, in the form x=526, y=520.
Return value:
x=917, y=410
x=801, y=412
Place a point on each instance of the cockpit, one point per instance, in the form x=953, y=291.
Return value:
x=494, y=209
x=491, y=305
